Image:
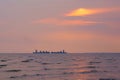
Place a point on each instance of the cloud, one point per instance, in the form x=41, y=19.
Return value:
x=86, y=11
x=63, y=22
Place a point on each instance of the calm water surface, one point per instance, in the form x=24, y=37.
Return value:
x=60, y=66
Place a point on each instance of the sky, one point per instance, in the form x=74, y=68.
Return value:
x=53, y=25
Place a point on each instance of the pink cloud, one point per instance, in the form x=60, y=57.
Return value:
x=62, y=22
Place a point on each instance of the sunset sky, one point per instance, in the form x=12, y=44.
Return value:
x=73, y=25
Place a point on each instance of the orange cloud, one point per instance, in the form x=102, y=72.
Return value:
x=85, y=11
x=63, y=22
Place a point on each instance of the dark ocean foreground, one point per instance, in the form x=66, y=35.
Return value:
x=86, y=66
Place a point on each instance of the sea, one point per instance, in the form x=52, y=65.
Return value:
x=70, y=66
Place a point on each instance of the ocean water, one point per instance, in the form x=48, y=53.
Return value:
x=87, y=66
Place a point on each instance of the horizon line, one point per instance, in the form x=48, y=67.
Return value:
x=67, y=52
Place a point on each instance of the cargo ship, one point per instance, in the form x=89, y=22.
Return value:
x=49, y=52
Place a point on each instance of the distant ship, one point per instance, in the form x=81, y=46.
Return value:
x=48, y=52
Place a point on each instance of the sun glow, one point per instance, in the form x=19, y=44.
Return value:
x=85, y=11
x=80, y=12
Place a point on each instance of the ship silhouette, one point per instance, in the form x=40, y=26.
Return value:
x=49, y=52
